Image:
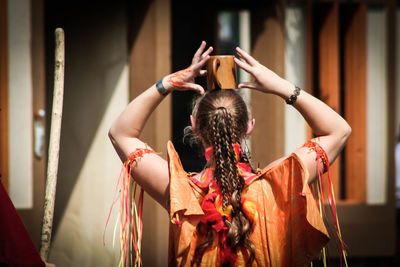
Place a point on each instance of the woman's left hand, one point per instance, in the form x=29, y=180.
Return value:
x=184, y=80
x=265, y=80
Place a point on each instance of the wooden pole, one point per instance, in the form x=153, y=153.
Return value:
x=54, y=145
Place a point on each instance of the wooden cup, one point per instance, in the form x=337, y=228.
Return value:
x=221, y=72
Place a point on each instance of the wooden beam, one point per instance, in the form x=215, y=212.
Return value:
x=329, y=71
x=268, y=47
x=163, y=67
x=355, y=88
x=309, y=56
x=4, y=128
x=149, y=61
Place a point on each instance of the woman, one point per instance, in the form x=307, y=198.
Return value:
x=228, y=214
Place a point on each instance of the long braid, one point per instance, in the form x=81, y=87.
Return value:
x=226, y=172
x=229, y=180
x=221, y=118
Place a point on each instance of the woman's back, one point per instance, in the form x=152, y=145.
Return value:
x=287, y=229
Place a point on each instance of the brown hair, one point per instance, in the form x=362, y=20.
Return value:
x=221, y=120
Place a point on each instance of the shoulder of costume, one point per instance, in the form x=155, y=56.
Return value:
x=172, y=154
x=174, y=161
x=291, y=159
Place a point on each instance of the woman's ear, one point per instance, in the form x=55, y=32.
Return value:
x=193, y=122
x=250, y=126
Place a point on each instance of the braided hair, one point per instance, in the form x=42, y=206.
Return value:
x=221, y=121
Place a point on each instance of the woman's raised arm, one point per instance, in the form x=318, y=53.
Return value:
x=151, y=172
x=331, y=129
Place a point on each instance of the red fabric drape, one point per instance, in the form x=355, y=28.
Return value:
x=16, y=246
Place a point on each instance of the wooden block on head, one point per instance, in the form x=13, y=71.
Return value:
x=221, y=72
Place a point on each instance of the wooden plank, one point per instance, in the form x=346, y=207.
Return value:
x=162, y=68
x=142, y=67
x=268, y=47
x=4, y=128
x=355, y=82
x=149, y=61
x=329, y=72
x=309, y=56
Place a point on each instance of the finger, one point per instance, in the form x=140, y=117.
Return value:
x=202, y=62
x=200, y=90
x=209, y=50
x=195, y=87
x=199, y=51
x=244, y=65
x=243, y=54
x=251, y=85
x=203, y=72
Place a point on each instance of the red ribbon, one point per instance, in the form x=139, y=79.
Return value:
x=321, y=156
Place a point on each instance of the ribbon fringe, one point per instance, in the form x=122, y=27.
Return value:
x=130, y=214
x=322, y=161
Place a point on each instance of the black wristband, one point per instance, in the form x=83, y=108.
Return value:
x=160, y=88
x=293, y=98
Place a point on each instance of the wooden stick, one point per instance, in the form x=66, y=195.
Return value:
x=54, y=145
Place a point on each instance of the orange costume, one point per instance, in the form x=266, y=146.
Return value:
x=288, y=229
x=286, y=216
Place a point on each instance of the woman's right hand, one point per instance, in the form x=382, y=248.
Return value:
x=265, y=80
x=185, y=79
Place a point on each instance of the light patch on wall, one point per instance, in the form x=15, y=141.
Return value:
x=20, y=99
x=397, y=107
x=398, y=71
x=84, y=219
x=376, y=106
x=244, y=43
x=295, y=128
